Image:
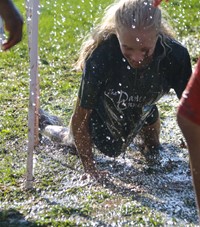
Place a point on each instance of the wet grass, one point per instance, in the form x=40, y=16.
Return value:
x=59, y=197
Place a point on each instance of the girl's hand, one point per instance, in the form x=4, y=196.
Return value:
x=14, y=28
x=13, y=23
x=100, y=176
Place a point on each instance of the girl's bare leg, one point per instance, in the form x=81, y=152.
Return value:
x=149, y=138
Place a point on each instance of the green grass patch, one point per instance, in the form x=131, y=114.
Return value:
x=62, y=26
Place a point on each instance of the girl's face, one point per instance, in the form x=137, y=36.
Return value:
x=137, y=45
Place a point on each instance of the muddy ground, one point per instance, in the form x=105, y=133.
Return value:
x=136, y=192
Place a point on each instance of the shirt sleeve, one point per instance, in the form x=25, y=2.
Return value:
x=93, y=77
x=189, y=104
x=182, y=70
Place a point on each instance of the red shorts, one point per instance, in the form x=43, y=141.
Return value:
x=190, y=102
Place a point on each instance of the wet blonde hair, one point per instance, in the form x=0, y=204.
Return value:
x=128, y=14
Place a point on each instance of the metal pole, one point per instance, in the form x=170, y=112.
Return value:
x=33, y=111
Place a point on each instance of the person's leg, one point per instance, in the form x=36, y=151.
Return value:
x=147, y=139
x=68, y=137
x=150, y=135
x=51, y=127
x=48, y=119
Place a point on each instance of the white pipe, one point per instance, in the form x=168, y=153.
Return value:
x=32, y=23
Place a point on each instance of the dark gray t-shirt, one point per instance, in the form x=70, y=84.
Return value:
x=122, y=97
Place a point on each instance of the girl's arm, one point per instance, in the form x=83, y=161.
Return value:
x=82, y=138
x=191, y=132
x=188, y=117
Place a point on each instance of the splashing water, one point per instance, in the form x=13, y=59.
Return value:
x=166, y=188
